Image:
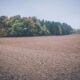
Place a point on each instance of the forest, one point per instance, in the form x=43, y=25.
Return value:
x=16, y=26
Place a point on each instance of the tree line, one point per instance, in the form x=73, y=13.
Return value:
x=31, y=26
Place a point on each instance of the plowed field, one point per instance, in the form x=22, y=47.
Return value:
x=40, y=58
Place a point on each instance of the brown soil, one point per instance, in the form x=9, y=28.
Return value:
x=40, y=58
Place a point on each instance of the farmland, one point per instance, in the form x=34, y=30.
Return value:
x=40, y=58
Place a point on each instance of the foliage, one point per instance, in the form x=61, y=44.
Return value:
x=31, y=26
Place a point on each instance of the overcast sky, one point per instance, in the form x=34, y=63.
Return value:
x=54, y=10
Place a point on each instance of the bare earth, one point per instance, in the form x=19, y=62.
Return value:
x=40, y=58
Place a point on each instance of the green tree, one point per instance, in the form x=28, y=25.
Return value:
x=31, y=26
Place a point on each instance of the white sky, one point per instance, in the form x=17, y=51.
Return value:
x=54, y=10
